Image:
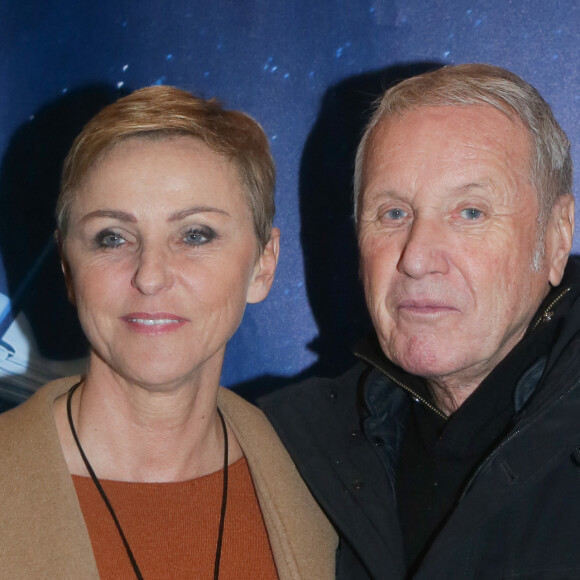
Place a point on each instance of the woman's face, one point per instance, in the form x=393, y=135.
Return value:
x=161, y=258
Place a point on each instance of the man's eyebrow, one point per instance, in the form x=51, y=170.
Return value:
x=393, y=194
x=122, y=216
x=481, y=184
x=383, y=194
x=183, y=213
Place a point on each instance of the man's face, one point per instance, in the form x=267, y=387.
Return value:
x=448, y=231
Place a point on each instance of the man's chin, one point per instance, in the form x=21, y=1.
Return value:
x=432, y=364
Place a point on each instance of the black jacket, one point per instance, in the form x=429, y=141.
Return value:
x=519, y=515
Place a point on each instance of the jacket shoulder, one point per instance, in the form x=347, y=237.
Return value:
x=43, y=532
x=314, y=398
x=24, y=428
x=320, y=421
x=316, y=417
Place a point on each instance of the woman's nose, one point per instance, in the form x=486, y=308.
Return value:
x=153, y=271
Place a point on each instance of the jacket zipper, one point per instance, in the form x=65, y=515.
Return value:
x=403, y=386
x=546, y=314
x=541, y=317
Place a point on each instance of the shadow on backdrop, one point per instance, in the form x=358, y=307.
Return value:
x=29, y=183
x=327, y=226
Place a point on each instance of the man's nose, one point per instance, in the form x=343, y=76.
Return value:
x=425, y=250
x=153, y=271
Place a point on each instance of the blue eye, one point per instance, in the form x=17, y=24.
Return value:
x=109, y=239
x=471, y=213
x=395, y=214
x=199, y=236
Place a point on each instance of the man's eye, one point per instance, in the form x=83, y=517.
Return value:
x=109, y=239
x=471, y=213
x=395, y=214
x=199, y=236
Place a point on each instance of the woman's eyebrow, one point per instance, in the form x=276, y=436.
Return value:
x=122, y=216
x=183, y=213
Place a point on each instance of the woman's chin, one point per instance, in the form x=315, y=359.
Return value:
x=158, y=379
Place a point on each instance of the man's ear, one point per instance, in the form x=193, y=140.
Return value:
x=559, y=233
x=265, y=269
x=64, y=266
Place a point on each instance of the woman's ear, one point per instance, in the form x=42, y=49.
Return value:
x=265, y=269
x=64, y=266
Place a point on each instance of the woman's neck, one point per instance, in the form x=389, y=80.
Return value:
x=138, y=433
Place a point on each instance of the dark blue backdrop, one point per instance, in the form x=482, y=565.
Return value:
x=307, y=71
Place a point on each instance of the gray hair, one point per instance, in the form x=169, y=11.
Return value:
x=551, y=165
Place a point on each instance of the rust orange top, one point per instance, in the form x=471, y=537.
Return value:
x=172, y=528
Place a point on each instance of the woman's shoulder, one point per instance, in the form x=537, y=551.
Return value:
x=230, y=400
x=247, y=421
x=33, y=420
x=300, y=535
x=43, y=532
x=267, y=457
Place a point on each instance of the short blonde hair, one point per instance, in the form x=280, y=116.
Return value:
x=164, y=111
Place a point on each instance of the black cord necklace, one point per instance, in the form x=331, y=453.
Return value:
x=218, y=551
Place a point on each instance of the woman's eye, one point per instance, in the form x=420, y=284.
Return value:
x=199, y=236
x=471, y=213
x=109, y=239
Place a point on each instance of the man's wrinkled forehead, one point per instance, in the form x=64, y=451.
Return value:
x=378, y=145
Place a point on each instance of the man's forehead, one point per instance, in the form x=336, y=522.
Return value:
x=430, y=128
x=459, y=148
x=449, y=114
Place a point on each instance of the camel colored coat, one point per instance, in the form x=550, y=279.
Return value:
x=42, y=530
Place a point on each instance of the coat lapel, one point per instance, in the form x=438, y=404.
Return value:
x=302, y=540
x=43, y=533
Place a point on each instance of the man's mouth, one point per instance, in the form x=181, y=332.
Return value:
x=426, y=307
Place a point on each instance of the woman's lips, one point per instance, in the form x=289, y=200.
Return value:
x=154, y=322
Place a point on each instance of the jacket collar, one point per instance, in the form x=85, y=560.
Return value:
x=554, y=311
